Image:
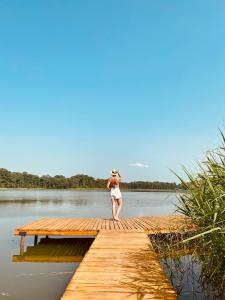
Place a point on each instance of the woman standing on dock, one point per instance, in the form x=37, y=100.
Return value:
x=116, y=196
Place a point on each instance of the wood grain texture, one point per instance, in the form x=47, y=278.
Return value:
x=91, y=226
x=119, y=265
x=121, y=262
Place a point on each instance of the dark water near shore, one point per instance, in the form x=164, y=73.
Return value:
x=47, y=281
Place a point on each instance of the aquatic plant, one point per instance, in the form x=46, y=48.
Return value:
x=193, y=267
x=204, y=202
x=204, y=197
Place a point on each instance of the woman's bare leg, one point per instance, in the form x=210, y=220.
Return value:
x=120, y=202
x=113, y=207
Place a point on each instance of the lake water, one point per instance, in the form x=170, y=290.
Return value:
x=47, y=281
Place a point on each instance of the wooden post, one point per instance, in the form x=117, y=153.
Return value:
x=35, y=240
x=22, y=240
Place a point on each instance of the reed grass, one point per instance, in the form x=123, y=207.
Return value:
x=204, y=197
x=201, y=251
x=204, y=202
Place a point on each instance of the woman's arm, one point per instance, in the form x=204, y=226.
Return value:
x=108, y=184
x=119, y=177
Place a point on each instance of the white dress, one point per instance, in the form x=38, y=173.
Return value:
x=115, y=192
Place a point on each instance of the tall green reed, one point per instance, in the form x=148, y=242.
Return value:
x=204, y=197
x=204, y=202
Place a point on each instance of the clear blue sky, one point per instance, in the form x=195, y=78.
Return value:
x=86, y=86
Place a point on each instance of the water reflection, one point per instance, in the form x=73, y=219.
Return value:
x=47, y=281
x=194, y=269
x=82, y=203
x=56, y=250
x=42, y=202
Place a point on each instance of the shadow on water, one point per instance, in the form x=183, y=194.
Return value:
x=56, y=250
x=45, y=268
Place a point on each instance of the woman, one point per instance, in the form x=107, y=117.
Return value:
x=116, y=196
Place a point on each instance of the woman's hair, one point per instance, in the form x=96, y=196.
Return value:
x=118, y=174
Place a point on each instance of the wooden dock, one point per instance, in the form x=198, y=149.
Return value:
x=92, y=226
x=121, y=263
x=119, y=266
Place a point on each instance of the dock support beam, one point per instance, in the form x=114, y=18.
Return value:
x=22, y=240
x=35, y=240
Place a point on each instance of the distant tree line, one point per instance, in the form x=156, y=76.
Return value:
x=10, y=179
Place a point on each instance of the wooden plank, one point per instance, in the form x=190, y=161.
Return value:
x=129, y=225
x=60, y=224
x=143, y=224
x=81, y=224
x=115, y=224
x=111, y=269
x=125, y=224
x=119, y=225
x=111, y=225
x=73, y=225
x=60, y=232
x=34, y=223
x=88, y=224
x=107, y=225
x=96, y=295
x=101, y=225
x=95, y=226
x=140, y=224
x=156, y=224
x=43, y=259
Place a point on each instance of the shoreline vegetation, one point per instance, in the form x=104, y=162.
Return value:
x=95, y=190
x=204, y=203
x=24, y=180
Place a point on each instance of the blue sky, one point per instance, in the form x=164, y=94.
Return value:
x=86, y=86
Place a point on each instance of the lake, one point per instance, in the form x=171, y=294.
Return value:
x=47, y=281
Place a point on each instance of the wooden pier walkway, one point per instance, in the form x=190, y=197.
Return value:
x=119, y=266
x=121, y=263
x=91, y=226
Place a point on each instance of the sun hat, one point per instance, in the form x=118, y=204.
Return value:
x=114, y=172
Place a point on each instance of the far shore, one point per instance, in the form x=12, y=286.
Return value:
x=95, y=190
